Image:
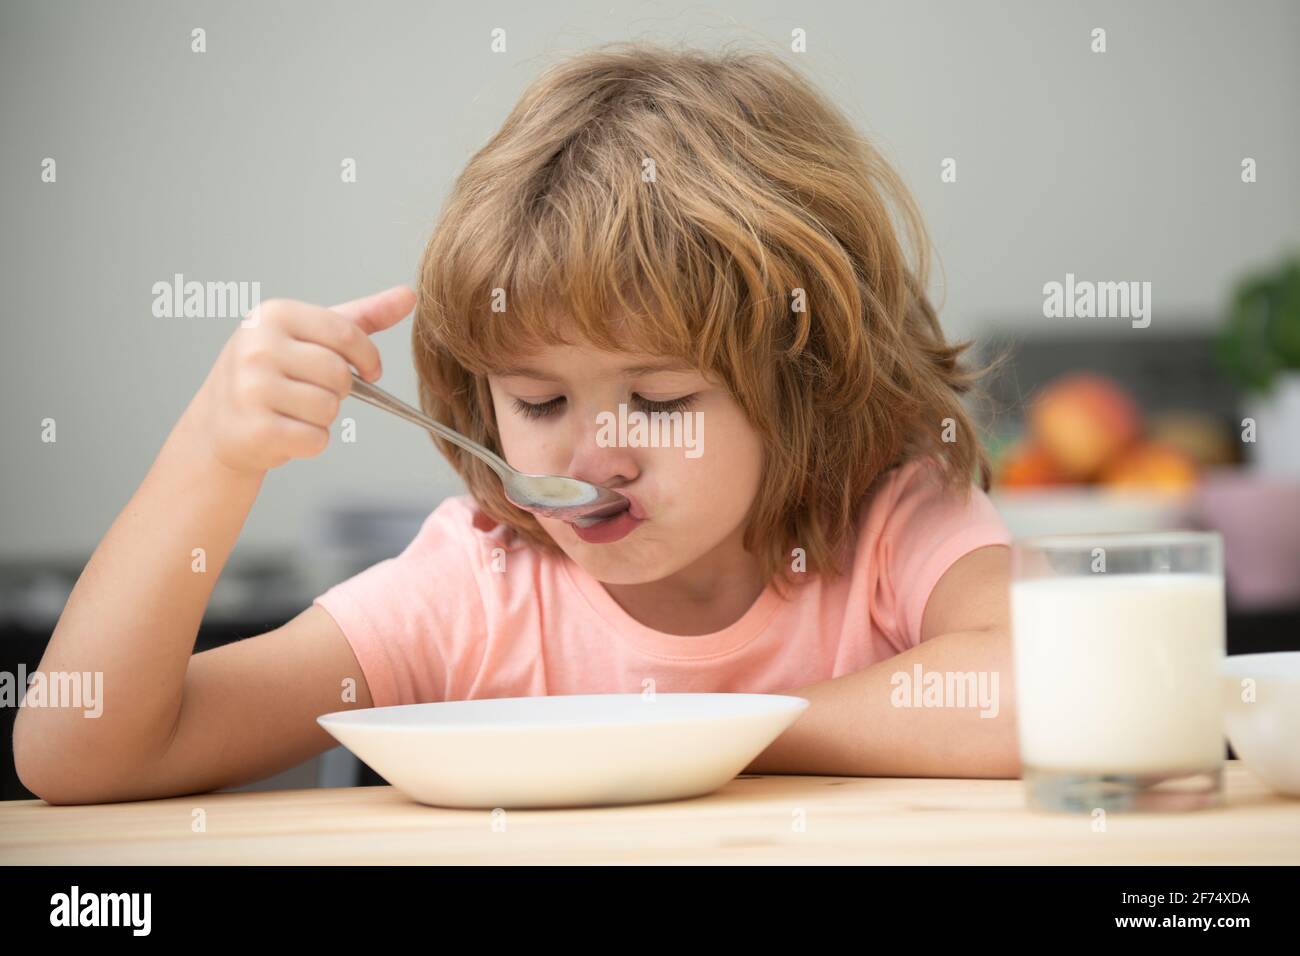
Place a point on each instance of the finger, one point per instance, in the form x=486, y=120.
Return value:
x=380, y=311
x=316, y=365
x=328, y=328
x=306, y=403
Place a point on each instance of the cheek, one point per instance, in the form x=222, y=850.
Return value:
x=513, y=447
x=725, y=477
x=525, y=446
x=519, y=451
x=734, y=448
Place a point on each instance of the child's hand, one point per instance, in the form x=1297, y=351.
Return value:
x=277, y=385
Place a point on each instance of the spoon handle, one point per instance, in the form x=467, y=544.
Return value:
x=374, y=395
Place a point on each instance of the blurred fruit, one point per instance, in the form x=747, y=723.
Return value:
x=1200, y=437
x=1025, y=465
x=1083, y=420
x=1151, y=465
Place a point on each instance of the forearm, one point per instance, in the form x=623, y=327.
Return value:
x=869, y=724
x=131, y=619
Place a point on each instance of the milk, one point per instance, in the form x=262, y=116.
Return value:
x=1118, y=673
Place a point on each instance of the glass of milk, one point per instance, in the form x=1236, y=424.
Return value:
x=1117, y=641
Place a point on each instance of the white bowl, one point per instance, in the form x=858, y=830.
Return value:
x=566, y=750
x=1265, y=733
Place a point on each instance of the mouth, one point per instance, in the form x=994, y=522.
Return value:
x=610, y=528
x=586, y=522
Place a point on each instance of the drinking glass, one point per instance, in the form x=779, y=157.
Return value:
x=1117, y=641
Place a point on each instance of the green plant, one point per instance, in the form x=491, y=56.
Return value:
x=1262, y=336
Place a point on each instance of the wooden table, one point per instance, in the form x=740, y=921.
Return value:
x=754, y=819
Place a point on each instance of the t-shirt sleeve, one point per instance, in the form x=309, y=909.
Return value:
x=925, y=527
x=411, y=620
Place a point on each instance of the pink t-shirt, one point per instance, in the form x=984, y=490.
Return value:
x=454, y=618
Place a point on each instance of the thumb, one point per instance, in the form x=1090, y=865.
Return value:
x=380, y=311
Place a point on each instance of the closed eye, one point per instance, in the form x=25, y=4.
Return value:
x=672, y=405
x=547, y=409
x=542, y=410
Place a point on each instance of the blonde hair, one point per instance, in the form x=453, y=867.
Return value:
x=672, y=202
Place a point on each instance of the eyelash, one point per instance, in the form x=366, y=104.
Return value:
x=547, y=409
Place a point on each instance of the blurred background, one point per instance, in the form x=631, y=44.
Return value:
x=1161, y=151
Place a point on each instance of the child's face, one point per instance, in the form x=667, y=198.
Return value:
x=694, y=497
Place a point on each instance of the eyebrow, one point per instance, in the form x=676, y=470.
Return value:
x=524, y=371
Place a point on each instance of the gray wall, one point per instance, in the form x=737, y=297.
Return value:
x=225, y=166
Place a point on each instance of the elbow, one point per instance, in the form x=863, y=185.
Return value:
x=32, y=758
x=30, y=763
x=43, y=768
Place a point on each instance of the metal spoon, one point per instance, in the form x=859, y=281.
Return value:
x=551, y=496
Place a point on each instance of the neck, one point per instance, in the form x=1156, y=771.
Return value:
x=708, y=595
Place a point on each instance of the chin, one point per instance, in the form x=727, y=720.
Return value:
x=610, y=569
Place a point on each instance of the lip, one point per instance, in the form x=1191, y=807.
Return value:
x=609, y=530
x=614, y=529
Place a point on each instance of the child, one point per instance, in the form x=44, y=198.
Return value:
x=651, y=231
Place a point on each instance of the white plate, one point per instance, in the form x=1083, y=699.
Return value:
x=566, y=750
x=1089, y=509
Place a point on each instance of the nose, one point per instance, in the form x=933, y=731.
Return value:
x=597, y=456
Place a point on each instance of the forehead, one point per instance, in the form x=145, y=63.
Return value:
x=579, y=355
x=624, y=345
x=559, y=361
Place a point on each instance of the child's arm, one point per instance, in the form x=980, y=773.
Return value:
x=854, y=728
x=173, y=722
